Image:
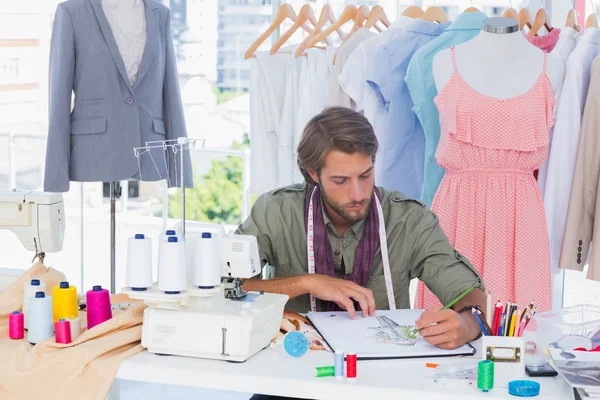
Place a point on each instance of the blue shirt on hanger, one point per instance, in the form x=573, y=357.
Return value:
x=402, y=142
x=420, y=82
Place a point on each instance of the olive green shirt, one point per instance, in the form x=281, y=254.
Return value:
x=417, y=246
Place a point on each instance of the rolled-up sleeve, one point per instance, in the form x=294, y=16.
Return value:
x=445, y=271
x=264, y=226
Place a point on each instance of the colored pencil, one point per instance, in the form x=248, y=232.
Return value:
x=484, y=331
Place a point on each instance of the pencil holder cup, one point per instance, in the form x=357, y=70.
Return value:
x=508, y=355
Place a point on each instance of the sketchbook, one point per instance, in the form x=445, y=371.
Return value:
x=389, y=334
x=581, y=369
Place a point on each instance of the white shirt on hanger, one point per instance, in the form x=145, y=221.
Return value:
x=353, y=80
x=267, y=94
x=314, y=74
x=127, y=20
x=567, y=42
x=567, y=130
x=337, y=97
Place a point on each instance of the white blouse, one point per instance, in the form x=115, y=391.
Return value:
x=127, y=19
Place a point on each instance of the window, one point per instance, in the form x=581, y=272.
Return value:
x=212, y=36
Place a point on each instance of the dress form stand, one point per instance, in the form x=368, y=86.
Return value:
x=115, y=193
x=499, y=62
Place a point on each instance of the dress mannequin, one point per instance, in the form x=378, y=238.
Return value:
x=499, y=65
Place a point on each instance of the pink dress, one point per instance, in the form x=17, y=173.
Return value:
x=488, y=203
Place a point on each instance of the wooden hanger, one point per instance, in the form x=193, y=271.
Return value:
x=377, y=14
x=524, y=19
x=362, y=14
x=591, y=21
x=413, y=12
x=435, y=14
x=326, y=15
x=285, y=12
x=348, y=14
x=511, y=13
x=571, y=19
x=541, y=19
x=306, y=14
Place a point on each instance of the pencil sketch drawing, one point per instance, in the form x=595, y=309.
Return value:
x=390, y=332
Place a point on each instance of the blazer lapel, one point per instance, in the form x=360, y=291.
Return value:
x=152, y=33
x=110, y=40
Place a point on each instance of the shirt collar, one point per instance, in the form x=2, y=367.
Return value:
x=568, y=33
x=426, y=27
x=402, y=22
x=592, y=35
x=356, y=228
x=468, y=21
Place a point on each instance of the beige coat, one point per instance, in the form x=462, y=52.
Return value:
x=584, y=203
x=83, y=369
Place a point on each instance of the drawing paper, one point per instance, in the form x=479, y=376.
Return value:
x=386, y=335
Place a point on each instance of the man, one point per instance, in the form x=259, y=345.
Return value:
x=338, y=206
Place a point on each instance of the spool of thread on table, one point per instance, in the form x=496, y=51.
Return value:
x=321, y=372
x=40, y=318
x=62, y=330
x=169, y=233
x=171, y=266
x=339, y=364
x=351, y=366
x=139, y=263
x=485, y=375
x=64, y=301
x=29, y=291
x=16, y=325
x=75, y=326
x=98, y=306
x=206, y=270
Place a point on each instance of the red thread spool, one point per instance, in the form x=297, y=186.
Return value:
x=351, y=365
x=62, y=329
x=16, y=323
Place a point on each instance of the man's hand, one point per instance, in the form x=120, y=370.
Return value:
x=341, y=292
x=448, y=329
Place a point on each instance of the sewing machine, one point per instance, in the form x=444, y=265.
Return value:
x=225, y=322
x=37, y=218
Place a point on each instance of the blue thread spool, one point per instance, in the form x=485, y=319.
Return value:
x=524, y=388
x=339, y=364
x=296, y=344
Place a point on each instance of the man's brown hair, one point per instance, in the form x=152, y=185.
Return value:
x=335, y=128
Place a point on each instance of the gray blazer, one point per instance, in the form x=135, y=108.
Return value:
x=94, y=142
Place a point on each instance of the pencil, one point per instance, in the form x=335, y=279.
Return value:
x=518, y=323
x=459, y=298
x=488, y=309
x=496, y=320
x=484, y=331
x=512, y=325
x=483, y=319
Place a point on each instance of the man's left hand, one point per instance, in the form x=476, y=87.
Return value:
x=447, y=329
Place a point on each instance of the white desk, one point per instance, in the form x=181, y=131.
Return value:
x=271, y=372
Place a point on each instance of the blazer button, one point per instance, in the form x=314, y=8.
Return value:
x=129, y=101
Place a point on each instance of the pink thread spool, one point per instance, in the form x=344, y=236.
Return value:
x=62, y=330
x=98, y=306
x=16, y=325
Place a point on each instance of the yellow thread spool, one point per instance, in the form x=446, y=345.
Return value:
x=64, y=301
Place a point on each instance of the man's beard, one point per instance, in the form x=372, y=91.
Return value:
x=342, y=210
